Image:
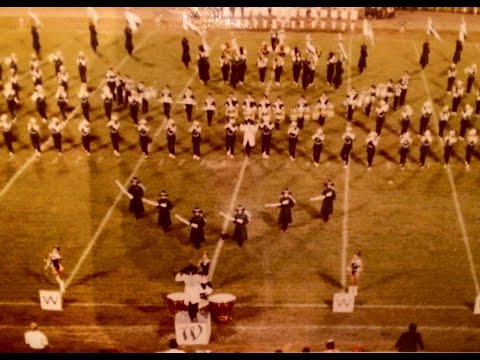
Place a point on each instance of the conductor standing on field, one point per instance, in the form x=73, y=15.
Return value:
x=164, y=207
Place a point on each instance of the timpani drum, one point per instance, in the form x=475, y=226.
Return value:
x=175, y=303
x=221, y=307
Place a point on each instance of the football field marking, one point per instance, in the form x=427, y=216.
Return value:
x=226, y=222
x=47, y=142
x=343, y=266
x=456, y=202
x=109, y=213
x=256, y=305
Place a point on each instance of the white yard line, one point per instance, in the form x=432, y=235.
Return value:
x=268, y=328
x=226, y=222
x=70, y=116
x=256, y=305
x=109, y=213
x=343, y=266
x=456, y=202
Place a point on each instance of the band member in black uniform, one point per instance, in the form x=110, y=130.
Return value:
x=171, y=137
x=424, y=56
x=114, y=127
x=230, y=137
x=36, y=40
x=93, y=37
x=164, y=206
x=348, y=137
x=426, y=141
x=128, y=40
x=197, y=236
x=329, y=195
x=34, y=131
x=318, y=139
x=362, y=61
x=84, y=128
x=241, y=219
x=185, y=52
x=372, y=143
x=287, y=202
x=196, y=131
x=137, y=190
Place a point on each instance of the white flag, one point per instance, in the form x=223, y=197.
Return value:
x=188, y=25
x=462, y=33
x=34, y=18
x=310, y=47
x=431, y=30
x=133, y=20
x=93, y=15
x=368, y=31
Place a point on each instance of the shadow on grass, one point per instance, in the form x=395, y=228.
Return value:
x=388, y=278
x=330, y=280
x=89, y=277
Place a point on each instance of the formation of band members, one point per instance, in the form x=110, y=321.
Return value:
x=258, y=115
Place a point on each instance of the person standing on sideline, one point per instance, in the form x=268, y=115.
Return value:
x=197, y=224
x=164, y=206
x=54, y=263
x=405, y=142
x=166, y=100
x=472, y=139
x=410, y=341
x=171, y=137
x=144, y=138
x=196, y=131
x=355, y=268
x=230, y=137
x=318, y=139
x=34, y=131
x=442, y=123
x=55, y=128
x=362, y=61
x=128, y=40
x=210, y=108
x=137, y=190
x=185, y=52
x=36, y=339
x=424, y=56
x=84, y=128
x=426, y=140
x=372, y=143
x=241, y=218
x=286, y=203
x=448, y=142
x=114, y=127
x=348, y=138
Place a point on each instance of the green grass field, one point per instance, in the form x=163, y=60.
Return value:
x=418, y=230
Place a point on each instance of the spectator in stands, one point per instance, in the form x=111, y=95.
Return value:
x=410, y=340
x=330, y=346
x=36, y=339
x=173, y=347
